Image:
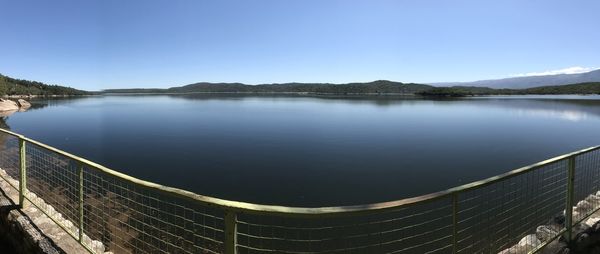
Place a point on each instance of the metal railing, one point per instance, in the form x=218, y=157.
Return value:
x=109, y=211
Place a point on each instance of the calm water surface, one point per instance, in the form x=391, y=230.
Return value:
x=313, y=151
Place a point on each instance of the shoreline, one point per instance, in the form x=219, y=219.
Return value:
x=313, y=94
x=343, y=94
x=23, y=96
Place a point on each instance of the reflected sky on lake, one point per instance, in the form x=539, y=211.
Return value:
x=568, y=115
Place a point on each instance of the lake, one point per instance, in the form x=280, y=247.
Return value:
x=312, y=150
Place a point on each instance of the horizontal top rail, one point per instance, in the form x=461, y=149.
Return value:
x=245, y=207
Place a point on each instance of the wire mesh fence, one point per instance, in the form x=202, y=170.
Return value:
x=586, y=183
x=423, y=228
x=10, y=158
x=130, y=218
x=493, y=218
x=53, y=185
x=110, y=212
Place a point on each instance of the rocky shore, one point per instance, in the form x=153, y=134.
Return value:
x=8, y=107
x=586, y=235
x=29, y=96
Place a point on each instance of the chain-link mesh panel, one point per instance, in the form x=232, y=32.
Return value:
x=587, y=183
x=129, y=218
x=422, y=228
x=497, y=216
x=9, y=159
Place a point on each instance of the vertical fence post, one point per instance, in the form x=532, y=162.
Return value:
x=454, y=222
x=22, y=172
x=80, y=173
x=230, y=232
x=569, y=203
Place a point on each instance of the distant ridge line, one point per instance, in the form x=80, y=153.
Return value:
x=529, y=81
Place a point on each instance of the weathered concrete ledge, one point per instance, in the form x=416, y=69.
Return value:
x=20, y=231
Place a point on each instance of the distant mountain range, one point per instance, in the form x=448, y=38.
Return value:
x=530, y=81
x=375, y=87
x=584, y=83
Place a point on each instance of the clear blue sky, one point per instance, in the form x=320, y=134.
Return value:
x=114, y=43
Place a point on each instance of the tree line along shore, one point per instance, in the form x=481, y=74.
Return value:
x=375, y=87
x=19, y=88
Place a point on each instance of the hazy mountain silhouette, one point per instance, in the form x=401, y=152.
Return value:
x=530, y=81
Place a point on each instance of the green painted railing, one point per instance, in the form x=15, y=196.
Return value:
x=109, y=211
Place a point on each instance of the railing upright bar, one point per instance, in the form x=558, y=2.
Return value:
x=569, y=199
x=454, y=222
x=230, y=232
x=22, y=172
x=80, y=173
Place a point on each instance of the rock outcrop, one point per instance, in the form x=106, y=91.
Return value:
x=23, y=103
x=8, y=105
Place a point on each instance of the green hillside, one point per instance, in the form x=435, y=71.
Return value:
x=581, y=88
x=375, y=87
x=457, y=91
x=11, y=86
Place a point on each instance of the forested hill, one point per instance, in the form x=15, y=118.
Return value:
x=11, y=86
x=375, y=87
x=580, y=88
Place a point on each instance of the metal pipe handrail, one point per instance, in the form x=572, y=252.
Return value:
x=231, y=209
x=304, y=211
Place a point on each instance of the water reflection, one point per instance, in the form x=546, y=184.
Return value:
x=7, y=113
x=3, y=123
x=574, y=116
x=564, y=109
x=578, y=105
